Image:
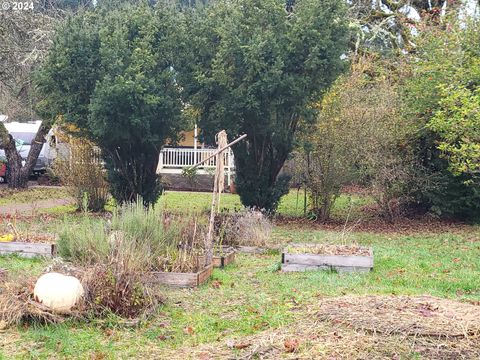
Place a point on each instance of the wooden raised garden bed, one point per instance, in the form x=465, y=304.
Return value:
x=186, y=280
x=27, y=249
x=341, y=258
x=226, y=257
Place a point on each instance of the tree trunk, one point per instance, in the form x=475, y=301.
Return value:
x=18, y=173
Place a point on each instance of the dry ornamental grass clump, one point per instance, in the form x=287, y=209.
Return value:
x=245, y=228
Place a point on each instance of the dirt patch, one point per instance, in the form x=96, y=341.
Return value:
x=33, y=206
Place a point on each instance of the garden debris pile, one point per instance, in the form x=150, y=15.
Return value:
x=425, y=316
x=17, y=304
x=106, y=291
x=328, y=249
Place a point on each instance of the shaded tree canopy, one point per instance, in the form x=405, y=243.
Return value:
x=254, y=69
x=112, y=74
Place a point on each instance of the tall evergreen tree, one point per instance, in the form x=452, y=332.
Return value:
x=255, y=68
x=111, y=72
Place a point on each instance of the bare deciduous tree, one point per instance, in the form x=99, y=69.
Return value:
x=25, y=37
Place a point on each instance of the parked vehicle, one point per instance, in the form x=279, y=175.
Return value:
x=3, y=171
x=24, y=135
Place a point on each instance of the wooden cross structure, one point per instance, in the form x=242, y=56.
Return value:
x=217, y=188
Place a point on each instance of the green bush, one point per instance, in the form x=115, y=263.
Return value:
x=446, y=58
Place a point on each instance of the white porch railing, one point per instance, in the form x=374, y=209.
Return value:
x=174, y=160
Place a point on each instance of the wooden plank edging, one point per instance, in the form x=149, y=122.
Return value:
x=330, y=260
x=26, y=249
x=251, y=249
x=176, y=279
x=220, y=261
x=340, y=263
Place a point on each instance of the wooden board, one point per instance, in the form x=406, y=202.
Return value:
x=340, y=269
x=340, y=263
x=175, y=279
x=220, y=261
x=28, y=250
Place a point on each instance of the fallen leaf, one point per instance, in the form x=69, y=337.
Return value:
x=204, y=356
x=291, y=345
x=216, y=284
x=98, y=356
x=240, y=346
x=425, y=312
x=188, y=330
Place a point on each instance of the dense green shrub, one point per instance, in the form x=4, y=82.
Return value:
x=447, y=57
x=111, y=73
x=255, y=69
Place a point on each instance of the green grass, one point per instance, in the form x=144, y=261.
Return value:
x=17, y=265
x=8, y=196
x=251, y=295
x=291, y=204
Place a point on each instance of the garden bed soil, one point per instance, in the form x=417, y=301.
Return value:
x=221, y=259
x=37, y=238
x=341, y=258
x=182, y=280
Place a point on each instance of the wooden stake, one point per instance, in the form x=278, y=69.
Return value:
x=217, y=182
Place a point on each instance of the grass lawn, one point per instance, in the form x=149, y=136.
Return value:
x=8, y=196
x=291, y=204
x=243, y=307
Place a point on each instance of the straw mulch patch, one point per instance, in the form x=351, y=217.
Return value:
x=425, y=316
x=329, y=249
x=378, y=327
x=36, y=238
x=370, y=327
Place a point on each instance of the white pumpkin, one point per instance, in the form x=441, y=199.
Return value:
x=58, y=292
